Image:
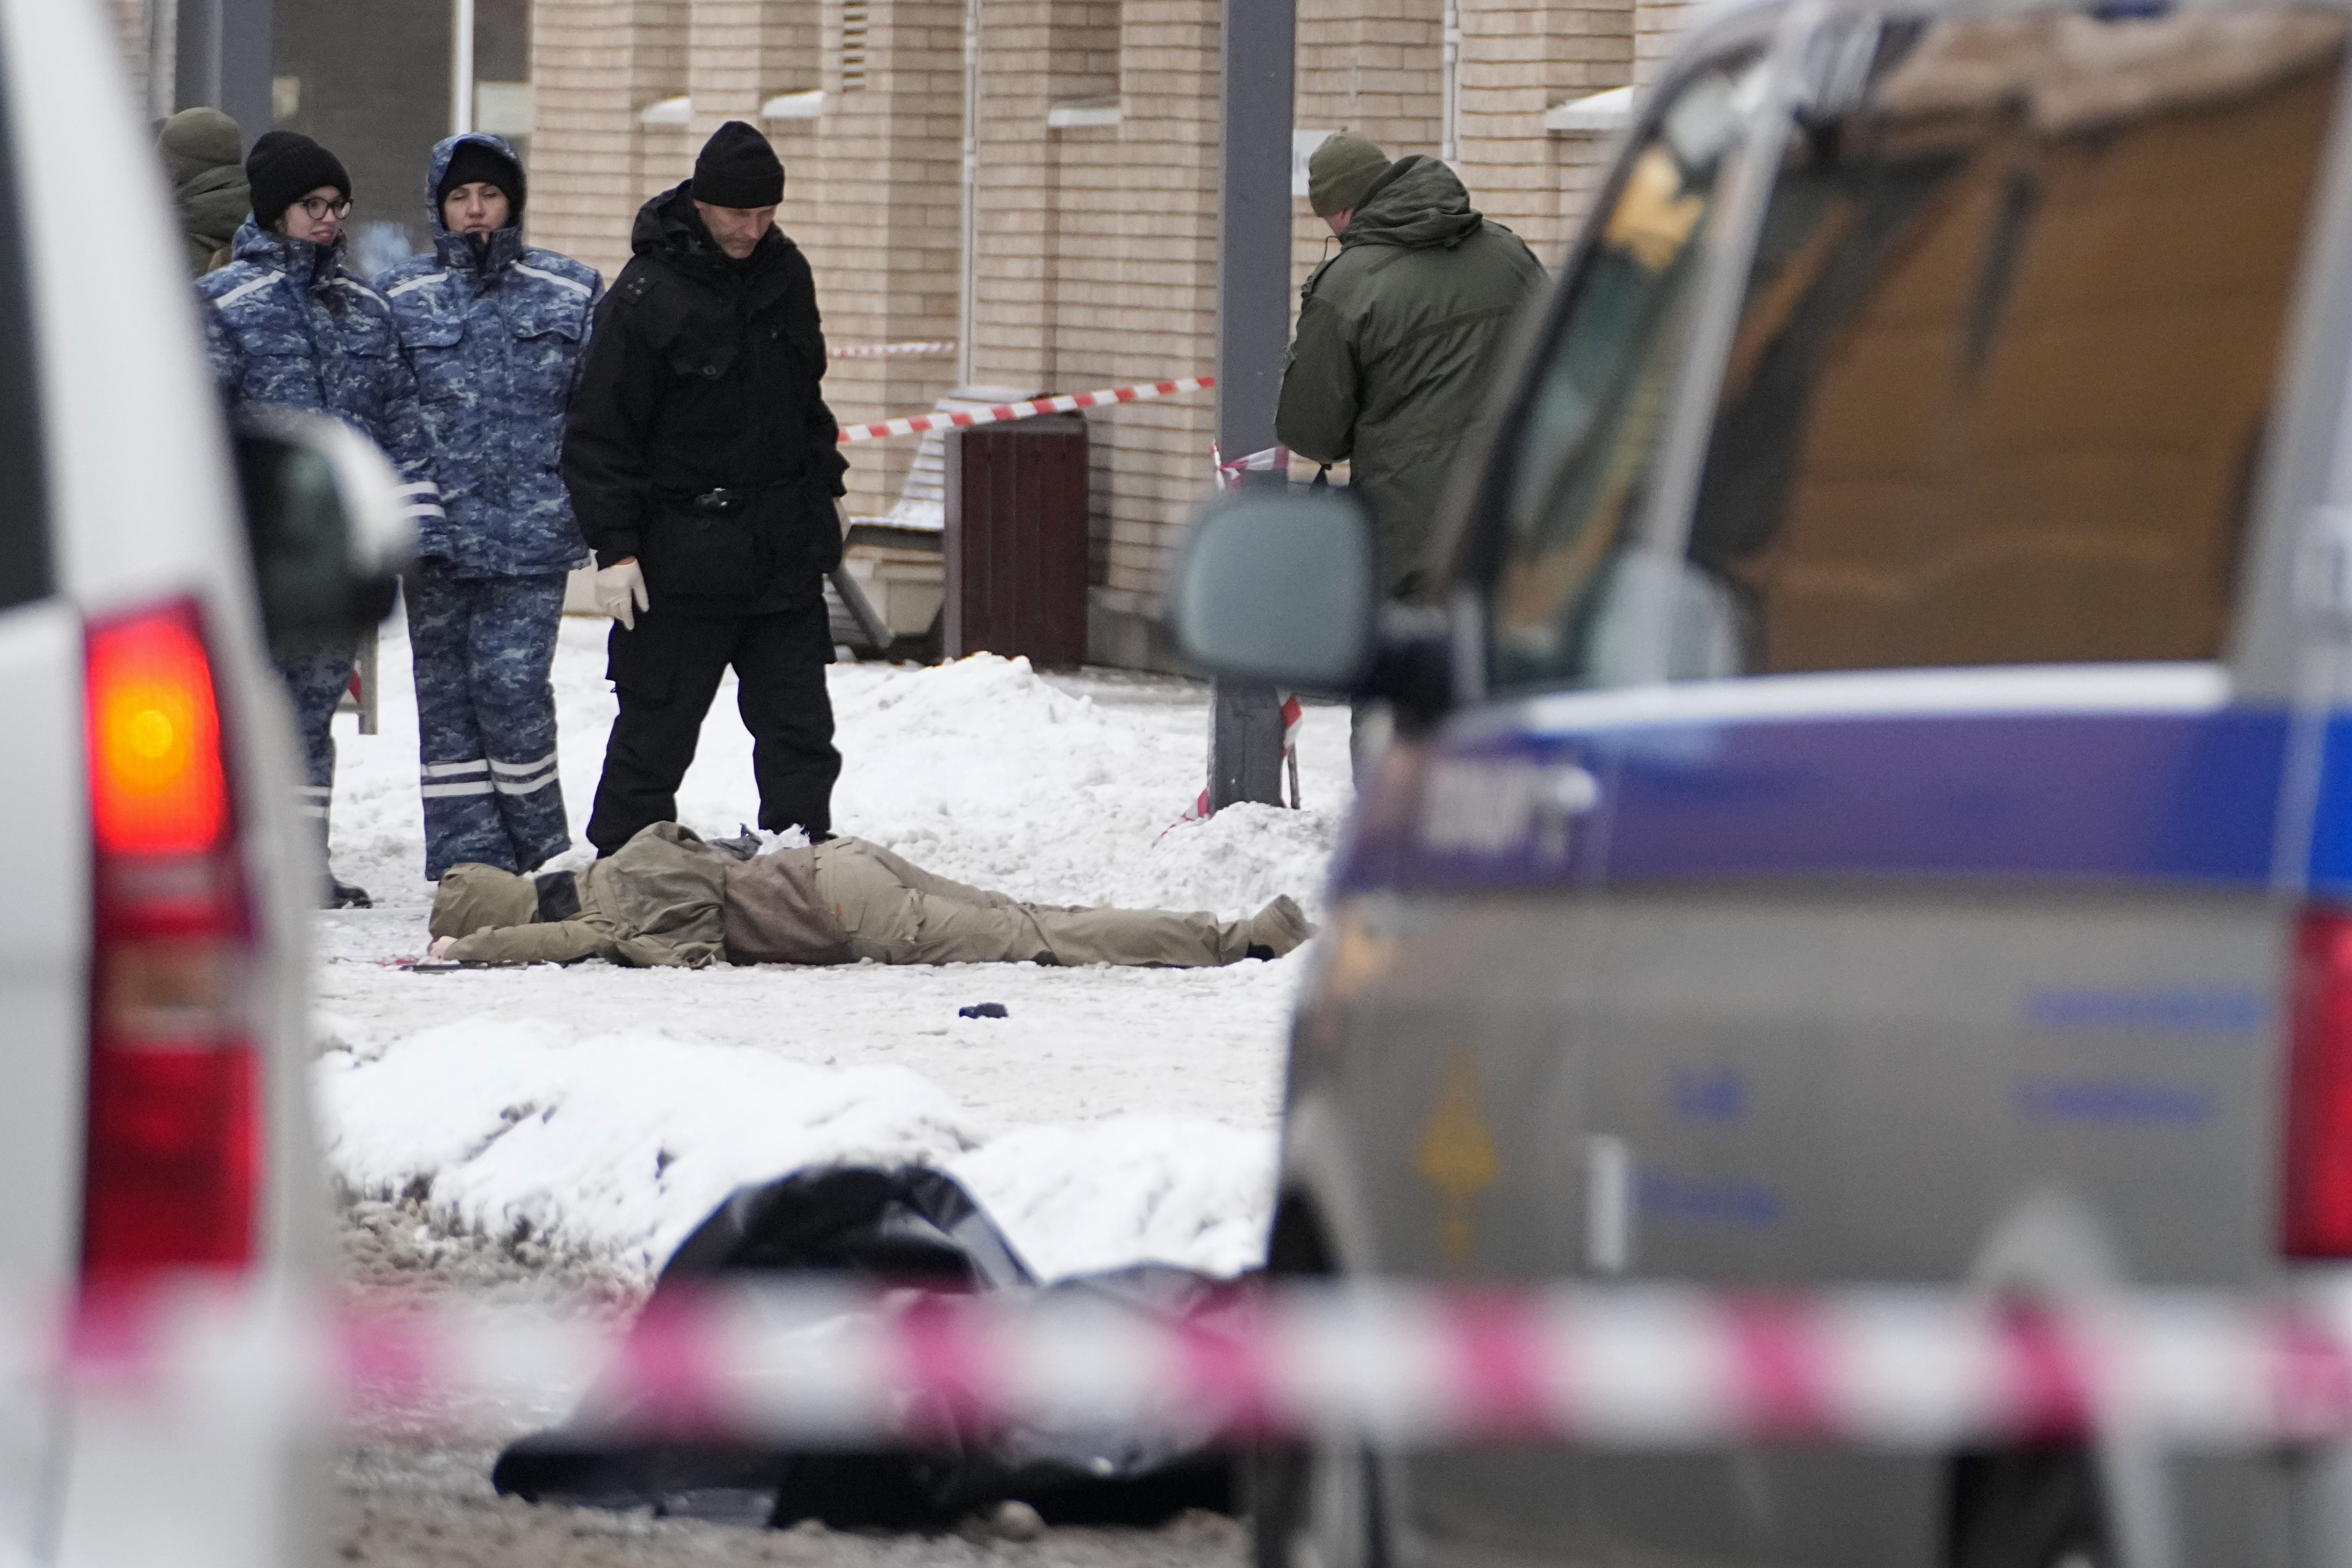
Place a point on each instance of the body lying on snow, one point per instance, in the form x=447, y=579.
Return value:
x=669, y=897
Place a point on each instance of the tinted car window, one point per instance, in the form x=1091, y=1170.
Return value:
x=2002, y=377
x=1586, y=434
x=2008, y=347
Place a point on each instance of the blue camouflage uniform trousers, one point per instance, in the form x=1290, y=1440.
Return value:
x=316, y=678
x=482, y=648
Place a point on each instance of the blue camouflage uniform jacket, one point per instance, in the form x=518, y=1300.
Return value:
x=496, y=333
x=287, y=324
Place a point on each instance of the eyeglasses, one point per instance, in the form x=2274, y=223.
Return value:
x=319, y=206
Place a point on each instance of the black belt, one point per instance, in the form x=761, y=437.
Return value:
x=727, y=501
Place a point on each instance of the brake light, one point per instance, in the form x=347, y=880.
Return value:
x=173, y=1155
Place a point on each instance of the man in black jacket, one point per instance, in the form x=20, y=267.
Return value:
x=703, y=468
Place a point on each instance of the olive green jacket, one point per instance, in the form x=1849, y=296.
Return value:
x=656, y=901
x=1396, y=334
x=205, y=161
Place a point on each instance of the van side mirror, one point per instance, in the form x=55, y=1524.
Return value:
x=326, y=523
x=1276, y=588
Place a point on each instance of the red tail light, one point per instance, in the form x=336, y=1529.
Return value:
x=172, y=1159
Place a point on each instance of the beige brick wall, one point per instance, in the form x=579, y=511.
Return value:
x=872, y=197
x=870, y=190
x=1657, y=28
x=1519, y=58
x=1381, y=73
x=1095, y=261
x=1097, y=247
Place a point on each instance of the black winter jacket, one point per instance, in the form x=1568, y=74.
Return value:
x=703, y=374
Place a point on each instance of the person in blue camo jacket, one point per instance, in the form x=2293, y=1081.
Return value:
x=495, y=331
x=287, y=325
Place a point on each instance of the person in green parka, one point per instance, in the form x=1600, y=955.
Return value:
x=204, y=157
x=1395, y=336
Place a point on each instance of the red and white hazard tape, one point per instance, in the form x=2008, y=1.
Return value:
x=1109, y=396
x=1267, y=460
x=1913, y=1370
x=891, y=351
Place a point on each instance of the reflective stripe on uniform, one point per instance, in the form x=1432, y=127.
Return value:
x=521, y=768
x=397, y=289
x=443, y=770
x=242, y=289
x=440, y=791
x=525, y=786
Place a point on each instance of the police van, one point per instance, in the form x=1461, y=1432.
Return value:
x=1874, y=799
x=155, y=916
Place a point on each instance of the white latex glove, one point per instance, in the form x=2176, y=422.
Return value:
x=621, y=592
x=441, y=946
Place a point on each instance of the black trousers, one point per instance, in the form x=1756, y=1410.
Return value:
x=666, y=671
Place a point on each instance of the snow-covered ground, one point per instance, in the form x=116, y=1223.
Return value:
x=1115, y=1114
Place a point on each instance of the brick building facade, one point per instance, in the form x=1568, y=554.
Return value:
x=1092, y=202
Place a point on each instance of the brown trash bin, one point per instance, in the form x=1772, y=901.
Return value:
x=1016, y=540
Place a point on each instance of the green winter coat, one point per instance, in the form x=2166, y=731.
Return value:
x=656, y=901
x=204, y=160
x=1395, y=338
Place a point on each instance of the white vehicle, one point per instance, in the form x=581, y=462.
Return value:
x=155, y=916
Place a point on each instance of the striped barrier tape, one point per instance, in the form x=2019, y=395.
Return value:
x=917, y=424
x=1399, y=1367
x=891, y=351
x=1267, y=460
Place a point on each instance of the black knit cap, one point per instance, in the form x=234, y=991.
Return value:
x=285, y=166
x=479, y=163
x=739, y=169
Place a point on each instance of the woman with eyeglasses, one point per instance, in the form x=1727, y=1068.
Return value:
x=290, y=325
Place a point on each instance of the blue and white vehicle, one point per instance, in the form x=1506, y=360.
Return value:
x=1874, y=802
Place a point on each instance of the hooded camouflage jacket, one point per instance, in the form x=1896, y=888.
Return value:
x=290, y=326
x=1396, y=335
x=496, y=334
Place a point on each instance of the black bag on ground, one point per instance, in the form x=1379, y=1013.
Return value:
x=911, y=1226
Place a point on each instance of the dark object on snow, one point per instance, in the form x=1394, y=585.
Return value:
x=983, y=1010
x=908, y=1227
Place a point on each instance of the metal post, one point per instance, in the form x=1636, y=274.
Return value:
x=1253, y=328
x=225, y=55
x=461, y=67
x=968, y=218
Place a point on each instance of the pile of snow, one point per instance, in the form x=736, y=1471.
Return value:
x=1116, y=1115
x=619, y=1145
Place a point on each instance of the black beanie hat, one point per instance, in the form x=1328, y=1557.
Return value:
x=478, y=161
x=285, y=166
x=739, y=169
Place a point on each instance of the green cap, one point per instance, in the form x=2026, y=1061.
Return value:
x=472, y=895
x=1341, y=171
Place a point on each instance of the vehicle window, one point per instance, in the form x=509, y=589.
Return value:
x=1585, y=435
x=2008, y=349
x=24, y=571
